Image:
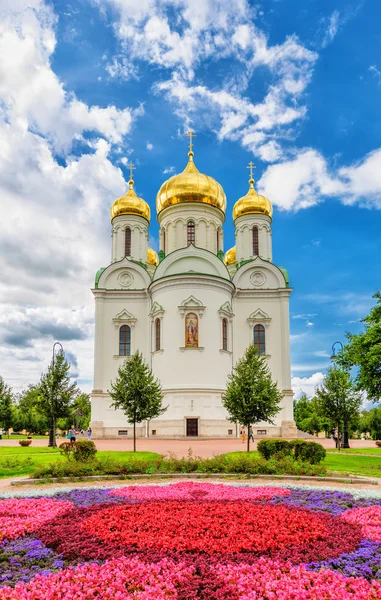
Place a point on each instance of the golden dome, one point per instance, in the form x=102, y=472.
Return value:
x=230, y=256
x=252, y=203
x=152, y=258
x=190, y=186
x=130, y=204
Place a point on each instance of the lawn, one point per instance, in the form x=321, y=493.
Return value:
x=345, y=462
x=16, y=461
x=375, y=451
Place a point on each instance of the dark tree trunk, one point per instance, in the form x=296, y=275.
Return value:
x=345, y=436
x=52, y=433
x=248, y=438
x=134, y=436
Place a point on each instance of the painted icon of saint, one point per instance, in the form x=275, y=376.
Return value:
x=191, y=330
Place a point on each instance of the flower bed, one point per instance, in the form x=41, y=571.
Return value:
x=191, y=541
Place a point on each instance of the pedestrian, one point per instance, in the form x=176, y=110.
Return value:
x=88, y=433
x=251, y=434
x=72, y=434
x=243, y=435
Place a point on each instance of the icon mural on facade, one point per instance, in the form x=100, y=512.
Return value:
x=191, y=330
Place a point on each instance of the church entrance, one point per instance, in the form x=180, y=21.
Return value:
x=192, y=427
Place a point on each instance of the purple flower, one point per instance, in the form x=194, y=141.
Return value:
x=364, y=562
x=334, y=503
x=89, y=497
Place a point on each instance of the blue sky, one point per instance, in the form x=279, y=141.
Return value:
x=88, y=86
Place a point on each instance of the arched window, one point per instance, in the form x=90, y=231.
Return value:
x=125, y=340
x=157, y=335
x=127, y=242
x=255, y=241
x=224, y=334
x=259, y=339
x=191, y=330
x=190, y=233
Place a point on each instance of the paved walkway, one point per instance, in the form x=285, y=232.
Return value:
x=202, y=448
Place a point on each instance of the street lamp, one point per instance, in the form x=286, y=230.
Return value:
x=52, y=433
x=345, y=443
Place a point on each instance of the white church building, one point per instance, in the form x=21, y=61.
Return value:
x=191, y=310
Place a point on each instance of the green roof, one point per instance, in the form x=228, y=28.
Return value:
x=98, y=276
x=285, y=275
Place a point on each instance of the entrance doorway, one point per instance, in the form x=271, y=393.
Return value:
x=192, y=427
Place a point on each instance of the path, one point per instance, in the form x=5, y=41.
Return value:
x=202, y=448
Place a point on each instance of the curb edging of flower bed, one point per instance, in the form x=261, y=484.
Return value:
x=354, y=479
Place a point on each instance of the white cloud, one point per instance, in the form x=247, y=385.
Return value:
x=306, y=385
x=30, y=90
x=331, y=26
x=169, y=170
x=149, y=146
x=376, y=73
x=307, y=180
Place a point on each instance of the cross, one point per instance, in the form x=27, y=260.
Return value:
x=251, y=166
x=191, y=135
x=132, y=167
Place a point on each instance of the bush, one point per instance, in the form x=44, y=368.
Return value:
x=81, y=451
x=310, y=452
x=274, y=447
x=25, y=442
x=378, y=444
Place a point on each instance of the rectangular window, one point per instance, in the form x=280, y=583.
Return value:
x=255, y=242
x=261, y=431
x=123, y=432
x=153, y=431
x=125, y=340
x=230, y=432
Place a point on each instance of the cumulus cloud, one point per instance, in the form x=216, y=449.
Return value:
x=32, y=92
x=307, y=179
x=306, y=385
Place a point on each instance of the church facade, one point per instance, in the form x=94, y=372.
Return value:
x=192, y=309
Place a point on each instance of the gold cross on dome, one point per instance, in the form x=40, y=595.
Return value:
x=191, y=134
x=251, y=166
x=132, y=167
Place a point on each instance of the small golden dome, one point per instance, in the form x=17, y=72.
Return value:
x=230, y=256
x=252, y=203
x=152, y=258
x=190, y=186
x=130, y=204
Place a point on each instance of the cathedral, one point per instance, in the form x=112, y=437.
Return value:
x=191, y=310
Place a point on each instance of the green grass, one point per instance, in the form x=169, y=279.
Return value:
x=376, y=451
x=16, y=461
x=24, y=437
x=346, y=462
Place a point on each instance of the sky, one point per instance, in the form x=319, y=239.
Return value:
x=87, y=86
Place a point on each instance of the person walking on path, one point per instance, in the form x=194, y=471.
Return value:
x=243, y=435
x=72, y=434
x=88, y=433
x=251, y=434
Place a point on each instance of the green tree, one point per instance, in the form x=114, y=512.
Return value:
x=251, y=395
x=28, y=414
x=6, y=405
x=363, y=350
x=375, y=423
x=338, y=400
x=56, y=393
x=137, y=392
x=307, y=416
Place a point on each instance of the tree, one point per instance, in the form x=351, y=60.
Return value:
x=6, y=405
x=338, y=400
x=137, y=392
x=28, y=413
x=307, y=416
x=55, y=392
x=251, y=395
x=363, y=350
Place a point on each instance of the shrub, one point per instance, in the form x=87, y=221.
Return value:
x=81, y=451
x=274, y=447
x=25, y=442
x=310, y=452
x=378, y=444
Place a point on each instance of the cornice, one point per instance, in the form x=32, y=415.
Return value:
x=197, y=280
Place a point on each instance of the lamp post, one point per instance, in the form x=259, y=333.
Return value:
x=345, y=443
x=52, y=432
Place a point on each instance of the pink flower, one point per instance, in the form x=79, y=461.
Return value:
x=19, y=516
x=369, y=518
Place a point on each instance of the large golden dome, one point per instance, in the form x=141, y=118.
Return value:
x=231, y=256
x=130, y=204
x=252, y=203
x=190, y=186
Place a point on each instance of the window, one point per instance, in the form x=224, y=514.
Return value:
x=190, y=233
x=123, y=432
x=153, y=432
x=255, y=242
x=125, y=340
x=224, y=334
x=127, y=242
x=230, y=432
x=259, y=338
x=261, y=431
x=157, y=334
